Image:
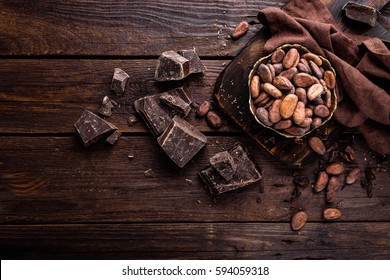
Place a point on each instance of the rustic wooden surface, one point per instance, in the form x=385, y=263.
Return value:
x=60, y=200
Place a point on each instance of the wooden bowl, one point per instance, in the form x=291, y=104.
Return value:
x=302, y=50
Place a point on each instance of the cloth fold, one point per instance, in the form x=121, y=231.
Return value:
x=362, y=65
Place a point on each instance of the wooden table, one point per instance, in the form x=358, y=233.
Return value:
x=61, y=200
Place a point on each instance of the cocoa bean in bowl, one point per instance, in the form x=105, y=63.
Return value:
x=292, y=91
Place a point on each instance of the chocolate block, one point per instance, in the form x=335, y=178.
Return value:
x=106, y=108
x=361, y=13
x=171, y=67
x=247, y=172
x=224, y=164
x=196, y=65
x=91, y=128
x=155, y=113
x=119, y=81
x=113, y=137
x=181, y=141
x=176, y=103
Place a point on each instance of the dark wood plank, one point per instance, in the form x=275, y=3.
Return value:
x=131, y=28
x=48, y=96
x=57, y=180
x=202, y=241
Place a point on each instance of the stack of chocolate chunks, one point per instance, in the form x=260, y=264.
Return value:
x=164, y=113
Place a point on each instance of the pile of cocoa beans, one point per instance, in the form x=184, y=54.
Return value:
x=292, y=93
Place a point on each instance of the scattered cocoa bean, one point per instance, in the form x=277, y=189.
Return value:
x=330, y=197
x=240, y=30
x=213, y=120
x=298, y=220
x=352, y=176
x=335, y=168
x=333, y=184
x=317, y=145
x=277, y=56
x=348, y=154
x=203, y=109
x=321, y=182
x=331, y=214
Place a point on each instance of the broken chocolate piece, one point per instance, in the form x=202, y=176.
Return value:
x=361, y=13
x=106, y=108
x=181, y=141
x=91, y=128
x=171, y=67
x=113, y=137
x=247, y=172
x=176, y=103
x=119, y=81
x=155, y=113
x=196, y=65
x=224, y=164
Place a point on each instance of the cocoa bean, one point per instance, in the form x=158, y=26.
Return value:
x=299, y=113
x=322, y=82
x=240, y=30
x=289, y=73
x=268, y=104
x=263, y=95
x=308, y=112
x=298, y=220
x=314, y=91
x=272, y=90
x=213, y=120
x=265, y=101
x=331, y=213
x=348, y=154
x=333, y=184
x=330, y=197
x=301, y=93
x=288, y=106
x=330, y=79
x=303, y=80
x=316, y=122
x=203, y=109
x=321, y=111
x=291, y=59
x=313, y=57
x=315, y=70
x=317, y=101
x=277, y=56
x=352, y=176
x=317, y=145
x=302, y=68
x=283, y=124
x=262, y=115
x=335, y=168
x=255, y=87
x=282, y=83
x=291, y=91
x=278, y=67
x=264, y=73
x=305, y=62
x=306, y=122
x=272, y=69
x=321, y=182
x=296, y=131
x=274, y=112
x=327, y=98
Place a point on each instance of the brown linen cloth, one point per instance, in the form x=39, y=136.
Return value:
x=359, y=62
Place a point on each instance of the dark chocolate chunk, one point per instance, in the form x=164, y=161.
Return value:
x=196, y=65
x=224, y=164
x=181, y=141
x=176, y=103
x=113, y=137
x=155, y=113
x=91, y=128
x=247, y=172
x=361, y=13
x=171, y=67
x=119, y=81
x=106, y=108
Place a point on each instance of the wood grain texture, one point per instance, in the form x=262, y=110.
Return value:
x=48, y=96
x=100, y=184
x=126, y=28
x=213, y=241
